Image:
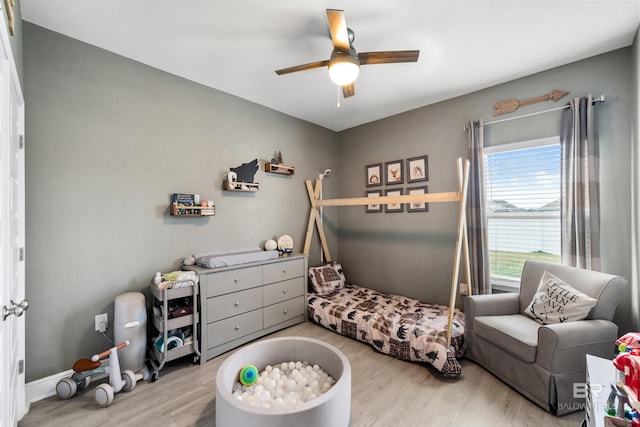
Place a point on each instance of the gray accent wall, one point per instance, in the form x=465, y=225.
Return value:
x=108, y=141
x=412, y=253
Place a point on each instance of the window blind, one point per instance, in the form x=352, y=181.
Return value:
x=522, y=189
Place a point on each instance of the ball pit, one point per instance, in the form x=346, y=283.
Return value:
x=331, y=407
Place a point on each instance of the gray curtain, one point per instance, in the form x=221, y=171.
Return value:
x=476, y=214
x=580, y=198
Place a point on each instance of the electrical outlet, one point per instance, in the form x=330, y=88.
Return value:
x=102, y=322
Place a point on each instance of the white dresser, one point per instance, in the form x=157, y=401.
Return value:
x=243, y=302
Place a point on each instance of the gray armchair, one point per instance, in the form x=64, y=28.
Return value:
x=543, y=362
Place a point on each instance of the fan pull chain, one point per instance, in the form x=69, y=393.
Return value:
x=338, y=97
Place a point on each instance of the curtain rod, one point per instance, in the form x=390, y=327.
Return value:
x=601, y=98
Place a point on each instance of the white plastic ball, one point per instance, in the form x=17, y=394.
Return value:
x=270, y=245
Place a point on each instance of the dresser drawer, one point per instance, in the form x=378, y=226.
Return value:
x=281, y=291
x=225, y=282
x=233, y=328
x=284, y=270
x=228, y=305
x=282, y=311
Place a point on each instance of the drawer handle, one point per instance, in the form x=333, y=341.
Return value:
x=236, y=280
x=237, y=304
x=237, y=328
x=284, y=271
x=285, y=311
x=284, y=291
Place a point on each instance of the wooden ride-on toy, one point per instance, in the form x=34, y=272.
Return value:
x=85, y=368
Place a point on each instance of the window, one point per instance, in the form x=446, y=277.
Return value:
x=522, y=190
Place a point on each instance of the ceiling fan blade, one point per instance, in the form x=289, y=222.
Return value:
x=338, y=28
x=349, y=90
x=388, y=57
x=303, y=67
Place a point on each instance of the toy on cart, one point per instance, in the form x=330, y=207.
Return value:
x=85, y=368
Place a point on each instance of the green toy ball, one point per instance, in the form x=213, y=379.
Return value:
x=248, y=375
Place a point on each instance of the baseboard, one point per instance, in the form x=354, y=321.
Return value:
x=45, y=387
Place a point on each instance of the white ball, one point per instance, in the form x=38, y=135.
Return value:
x=270, y=245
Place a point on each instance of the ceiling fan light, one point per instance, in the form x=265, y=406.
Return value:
x=343, y=68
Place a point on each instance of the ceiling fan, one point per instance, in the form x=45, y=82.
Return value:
x=344, y=63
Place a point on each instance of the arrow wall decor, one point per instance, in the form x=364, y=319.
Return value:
x=511, y=105
x=8, y=5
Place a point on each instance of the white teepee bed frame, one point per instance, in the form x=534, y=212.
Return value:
x=462, y=243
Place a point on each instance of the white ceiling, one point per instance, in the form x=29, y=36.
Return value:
x=236, y=45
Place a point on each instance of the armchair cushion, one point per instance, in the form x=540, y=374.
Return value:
x=606, y=288
x=556, y=302
x=516, y=334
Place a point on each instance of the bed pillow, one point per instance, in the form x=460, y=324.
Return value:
x=557, y=302
x=327, y=278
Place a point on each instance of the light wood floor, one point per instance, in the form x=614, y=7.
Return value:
x=385, y=392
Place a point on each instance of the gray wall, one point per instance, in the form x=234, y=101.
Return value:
x=412, y=253
x=108, y=141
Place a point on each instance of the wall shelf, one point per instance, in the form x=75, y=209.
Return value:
x=177, y=210
x=279, y=169
x=247, y=187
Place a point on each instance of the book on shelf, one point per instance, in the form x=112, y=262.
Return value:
x=183, y=199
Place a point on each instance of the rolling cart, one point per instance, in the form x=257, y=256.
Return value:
x=169, y=344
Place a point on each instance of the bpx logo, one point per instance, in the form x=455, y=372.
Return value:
x=581, y=390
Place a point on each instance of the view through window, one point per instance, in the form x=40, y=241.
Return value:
x=522, y=188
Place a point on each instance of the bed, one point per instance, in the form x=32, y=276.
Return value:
x=401, y=327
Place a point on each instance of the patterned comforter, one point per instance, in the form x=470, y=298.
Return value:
x=395, y=325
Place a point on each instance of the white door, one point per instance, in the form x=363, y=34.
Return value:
x=12, y=238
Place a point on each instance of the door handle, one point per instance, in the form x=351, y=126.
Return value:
x=15, y=309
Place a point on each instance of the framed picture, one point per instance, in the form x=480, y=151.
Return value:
x=394, y=207
x=374, y=174
x=374, y=208
x=394, y=172
x=418, y=206
x=417, y=169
